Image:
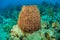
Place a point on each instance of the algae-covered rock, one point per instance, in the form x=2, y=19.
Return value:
x=15, y=31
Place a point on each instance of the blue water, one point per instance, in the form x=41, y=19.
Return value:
x=5, y=3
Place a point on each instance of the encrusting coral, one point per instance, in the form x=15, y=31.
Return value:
x=29, y=19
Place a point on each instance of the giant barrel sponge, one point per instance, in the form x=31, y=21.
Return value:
x=29, y=19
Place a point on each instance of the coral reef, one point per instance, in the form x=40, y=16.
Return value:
x=49, y=17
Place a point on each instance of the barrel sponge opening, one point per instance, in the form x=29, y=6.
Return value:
x=29, y=19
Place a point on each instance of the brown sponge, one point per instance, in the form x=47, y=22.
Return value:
x=29, y=19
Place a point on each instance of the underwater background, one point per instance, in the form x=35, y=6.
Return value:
x=50, y=19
